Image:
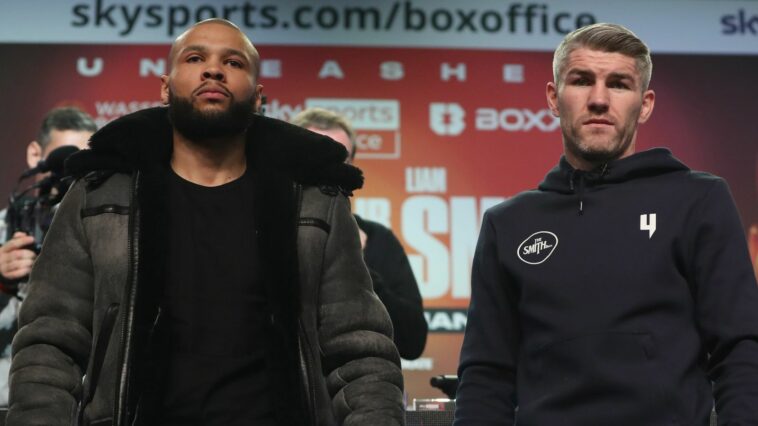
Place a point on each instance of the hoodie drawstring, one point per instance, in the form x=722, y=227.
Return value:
x=581, y=178
x=580, y=188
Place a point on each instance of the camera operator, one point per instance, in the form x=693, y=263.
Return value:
x=60, y=127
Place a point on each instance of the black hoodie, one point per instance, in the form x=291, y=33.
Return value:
x=612, y=297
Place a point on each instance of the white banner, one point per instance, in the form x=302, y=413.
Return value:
x=668, y=26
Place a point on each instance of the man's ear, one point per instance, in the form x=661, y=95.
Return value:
x=551, y=92
x=164, y=89
x=648, y=103
x=258, y=98
x=33, y=154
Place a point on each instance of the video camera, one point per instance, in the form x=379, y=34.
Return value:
x=31, y=210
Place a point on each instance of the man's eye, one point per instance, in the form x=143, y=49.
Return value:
x=193, y=59
x=618, y=85
x=236, y=64
x=581, y=82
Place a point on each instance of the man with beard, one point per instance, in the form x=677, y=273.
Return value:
x=620, y=291
x=205, y=270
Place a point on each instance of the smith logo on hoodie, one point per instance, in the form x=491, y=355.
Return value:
x=537, y=247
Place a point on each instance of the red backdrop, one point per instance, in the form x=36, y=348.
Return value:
x=436, y=149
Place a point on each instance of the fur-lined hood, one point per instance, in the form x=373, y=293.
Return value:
x=143, y=141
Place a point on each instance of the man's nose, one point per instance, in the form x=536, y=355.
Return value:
x=213, y=72
x=599, y=98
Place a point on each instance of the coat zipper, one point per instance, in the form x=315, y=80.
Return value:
x=305, y=368
x=98, y=357
x=121, y=400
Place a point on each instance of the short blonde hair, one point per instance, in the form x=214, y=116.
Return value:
x=324, y=119
x=612, y=38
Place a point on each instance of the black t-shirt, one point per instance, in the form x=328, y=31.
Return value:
x=214, y=308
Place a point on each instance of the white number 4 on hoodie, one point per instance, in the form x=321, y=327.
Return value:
x=647, y=223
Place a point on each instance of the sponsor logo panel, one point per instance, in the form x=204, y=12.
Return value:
x=376, y=122
x=450, y=119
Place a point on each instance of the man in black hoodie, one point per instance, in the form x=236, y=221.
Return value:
x=620, y=291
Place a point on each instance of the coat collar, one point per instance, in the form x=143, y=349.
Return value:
x=281, y=154
x=142, y=141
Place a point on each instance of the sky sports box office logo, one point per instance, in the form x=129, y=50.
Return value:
x=376, y=123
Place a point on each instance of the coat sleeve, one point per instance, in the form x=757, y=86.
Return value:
x=726, y=299
x=355, y=333
x=396, y=287
x=51, y=348
x=487, y=370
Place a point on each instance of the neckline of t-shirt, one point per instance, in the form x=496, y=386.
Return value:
x=231, y=185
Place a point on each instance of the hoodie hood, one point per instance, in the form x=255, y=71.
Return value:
x=564, y=179
x=143, y=141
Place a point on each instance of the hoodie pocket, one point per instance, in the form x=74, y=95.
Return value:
x=612, y=370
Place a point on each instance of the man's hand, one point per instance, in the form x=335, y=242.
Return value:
x=364, y=237
x=15, y=260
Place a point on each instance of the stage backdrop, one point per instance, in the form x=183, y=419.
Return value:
x=448, y=101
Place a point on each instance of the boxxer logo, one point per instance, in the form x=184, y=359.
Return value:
x=537, y=247
x=516, y=120
x=446, y=119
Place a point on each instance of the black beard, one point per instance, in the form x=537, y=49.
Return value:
x=200, y=127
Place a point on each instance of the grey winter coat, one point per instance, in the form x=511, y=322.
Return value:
x=82, y=354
